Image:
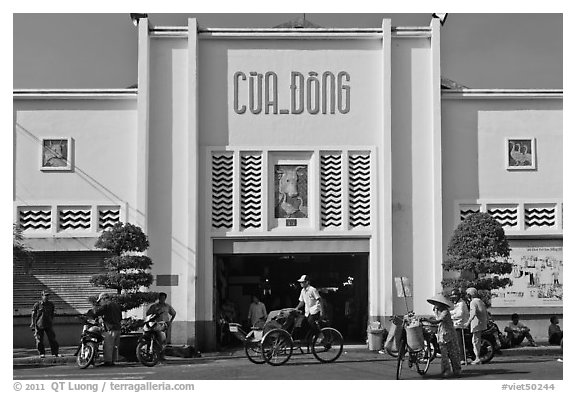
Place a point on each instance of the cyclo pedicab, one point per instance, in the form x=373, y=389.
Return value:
x=285, y=330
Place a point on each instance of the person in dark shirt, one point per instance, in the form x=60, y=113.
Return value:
x=42, y=322
x=111, y=314
x=554, y=332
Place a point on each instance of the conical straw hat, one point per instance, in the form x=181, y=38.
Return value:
x=440, y=299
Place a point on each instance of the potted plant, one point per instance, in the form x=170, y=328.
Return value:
x=128, y=273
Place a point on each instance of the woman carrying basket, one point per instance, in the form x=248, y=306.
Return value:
x=447, y=338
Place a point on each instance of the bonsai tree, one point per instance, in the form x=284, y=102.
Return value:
x=126, y=272
x=478, y=251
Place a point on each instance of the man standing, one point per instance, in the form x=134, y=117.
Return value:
x=310, y=299
x=477, y=322
x=257, y=312
x=164, y=311
x=42, y=319
x=112, y=316
x=460, y=315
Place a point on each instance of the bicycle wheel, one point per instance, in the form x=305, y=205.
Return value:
x=424, y=357
x=253, y=351
x=327, y=345
x=401, y=357
x=277, y=347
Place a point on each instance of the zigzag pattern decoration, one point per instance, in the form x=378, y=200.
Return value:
x=222, y=181
x=506, y=216
x=251, y=190
x=540, y=216
x=35, y=218
x=107, y=217
x=359, y=189
x=466, y=211
x=74, y=218
x=331, y=190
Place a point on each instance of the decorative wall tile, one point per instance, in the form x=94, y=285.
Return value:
x=222, y=188
x=74, y=218
x=35, y=218
x=251, y=190
x=108, y=216
x=359, y=189
x=331, y=189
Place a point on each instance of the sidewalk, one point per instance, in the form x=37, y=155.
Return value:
x=25, y=357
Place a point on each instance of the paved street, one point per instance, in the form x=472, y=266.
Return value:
x=353, y=365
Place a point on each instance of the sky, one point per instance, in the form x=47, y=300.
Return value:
x=85, y=50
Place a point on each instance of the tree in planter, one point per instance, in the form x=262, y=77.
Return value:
x=478, y=251
x=125, y=272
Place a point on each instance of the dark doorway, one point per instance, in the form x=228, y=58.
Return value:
x=341, y=279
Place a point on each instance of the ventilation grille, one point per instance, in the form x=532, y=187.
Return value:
x=468, y=210
x=76, y=218
x=108, y=216
x=540, y=216
x=251, y=191
x=507, y=216
x=222, y=181
x=359, y=189
x=35, y=218
x=331, y=190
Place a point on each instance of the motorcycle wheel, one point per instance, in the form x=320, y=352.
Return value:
x=146, y=355
x=86, y=354
x=486, y=350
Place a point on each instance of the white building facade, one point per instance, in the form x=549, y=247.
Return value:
x=253, y=156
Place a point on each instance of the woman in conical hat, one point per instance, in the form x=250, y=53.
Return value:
x=447, y=338
x=440, y=300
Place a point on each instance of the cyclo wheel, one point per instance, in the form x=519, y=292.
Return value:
x=277, y=347
x=327, y=345
x=401, y=357
x=424, y=357
x=253, y=351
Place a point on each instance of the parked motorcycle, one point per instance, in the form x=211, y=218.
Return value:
x=90, y=341
x=151, y=344
x=490, y=343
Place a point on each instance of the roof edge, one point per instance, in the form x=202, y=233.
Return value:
x=130, y=93
x=502, y=94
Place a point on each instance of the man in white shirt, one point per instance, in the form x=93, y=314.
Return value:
x=478, y=321
x=310, y=299
x=517, y=332
x=460, y=315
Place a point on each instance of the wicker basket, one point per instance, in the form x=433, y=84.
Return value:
x=415, y=338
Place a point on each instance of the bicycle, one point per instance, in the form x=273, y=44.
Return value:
x=414, y=347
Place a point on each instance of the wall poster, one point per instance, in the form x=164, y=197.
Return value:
x=537, y=278
x=291, y=191
x=521, y=153
x=56, y=153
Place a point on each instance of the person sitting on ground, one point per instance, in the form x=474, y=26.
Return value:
x=517, y=332
x=554, y=331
